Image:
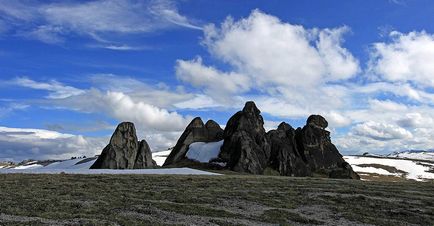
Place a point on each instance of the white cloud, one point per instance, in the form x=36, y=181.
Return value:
x=381, y=131
x=161, y=141
x=124, y=99
x=336, y=119
x=339, y=62
x=159, y=95
x=22, y=143
x=124, y=108
x=405, y=59
x=166, y=9
x=11, y=107
x=198, y=102
x=57, y=90
x=416, y=120
x=405, y=90
x=46, y=33
x=219, y=84
x=287, y=67
x=123, y=47
x=49, y=22
x=273, y=52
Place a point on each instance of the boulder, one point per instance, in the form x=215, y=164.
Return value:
x=196, y=131
x=322, y=156
x=285, y=157
x=124, y=151
x=246, y=147
x=144, y=156
x=317, y=120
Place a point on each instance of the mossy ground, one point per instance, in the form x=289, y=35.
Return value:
x=210, y=200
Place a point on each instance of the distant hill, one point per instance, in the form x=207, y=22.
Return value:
x=414, y=154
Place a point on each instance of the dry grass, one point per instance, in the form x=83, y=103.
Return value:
x=210, y=200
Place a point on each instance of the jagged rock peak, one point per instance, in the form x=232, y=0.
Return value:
x=196, y=123
x=284, y=126
x=144, y=156
x=196, y=131
x=250, y=107
x=318, y=121
x=212, y=124
x=245, y=147
x=124, y=150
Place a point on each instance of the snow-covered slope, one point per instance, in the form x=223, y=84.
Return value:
x=422, y=155
x=403, y=168
x=72, y=164
x=172, y=171
x=160, y=157
x=204, y=152
x=81, y=166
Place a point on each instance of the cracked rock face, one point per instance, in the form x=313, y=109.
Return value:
x=317, y=120
x=246, y=147
x=285, y=157
x=307, y=151
x=196, y=131
x=124, y=151
x=144, y=156
x=319, y=152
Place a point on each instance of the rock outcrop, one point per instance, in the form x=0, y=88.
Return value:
x=144, y=156
x=307, y=151
x=319, y=152
x=124, y=151
x=196, y=131
x=285, y=157
x=246, y=147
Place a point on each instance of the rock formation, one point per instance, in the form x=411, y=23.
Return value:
x=307, y=151
x=246, y=147
x=124, y=151
x=319, y=152
x=196, y=131
x=285, y=157
x=144, y=156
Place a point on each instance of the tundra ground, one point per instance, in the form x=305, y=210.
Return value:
x=210, y=200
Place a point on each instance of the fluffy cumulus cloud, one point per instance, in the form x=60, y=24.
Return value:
x=277, y=59
x=272, y=52
x=20, y=143
x=381, y=131
x=122, y=107
x=406, y=58
x=219, y=84
x=50, y=22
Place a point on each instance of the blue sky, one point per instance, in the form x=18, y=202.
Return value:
x=71, y=70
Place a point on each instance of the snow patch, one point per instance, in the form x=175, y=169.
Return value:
x=171, y=171
x=74, y=166
x=415, y=171
x=359, y=169
x=71, y=164
x=204, y=152
x=160, y=157
x=31, y=166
